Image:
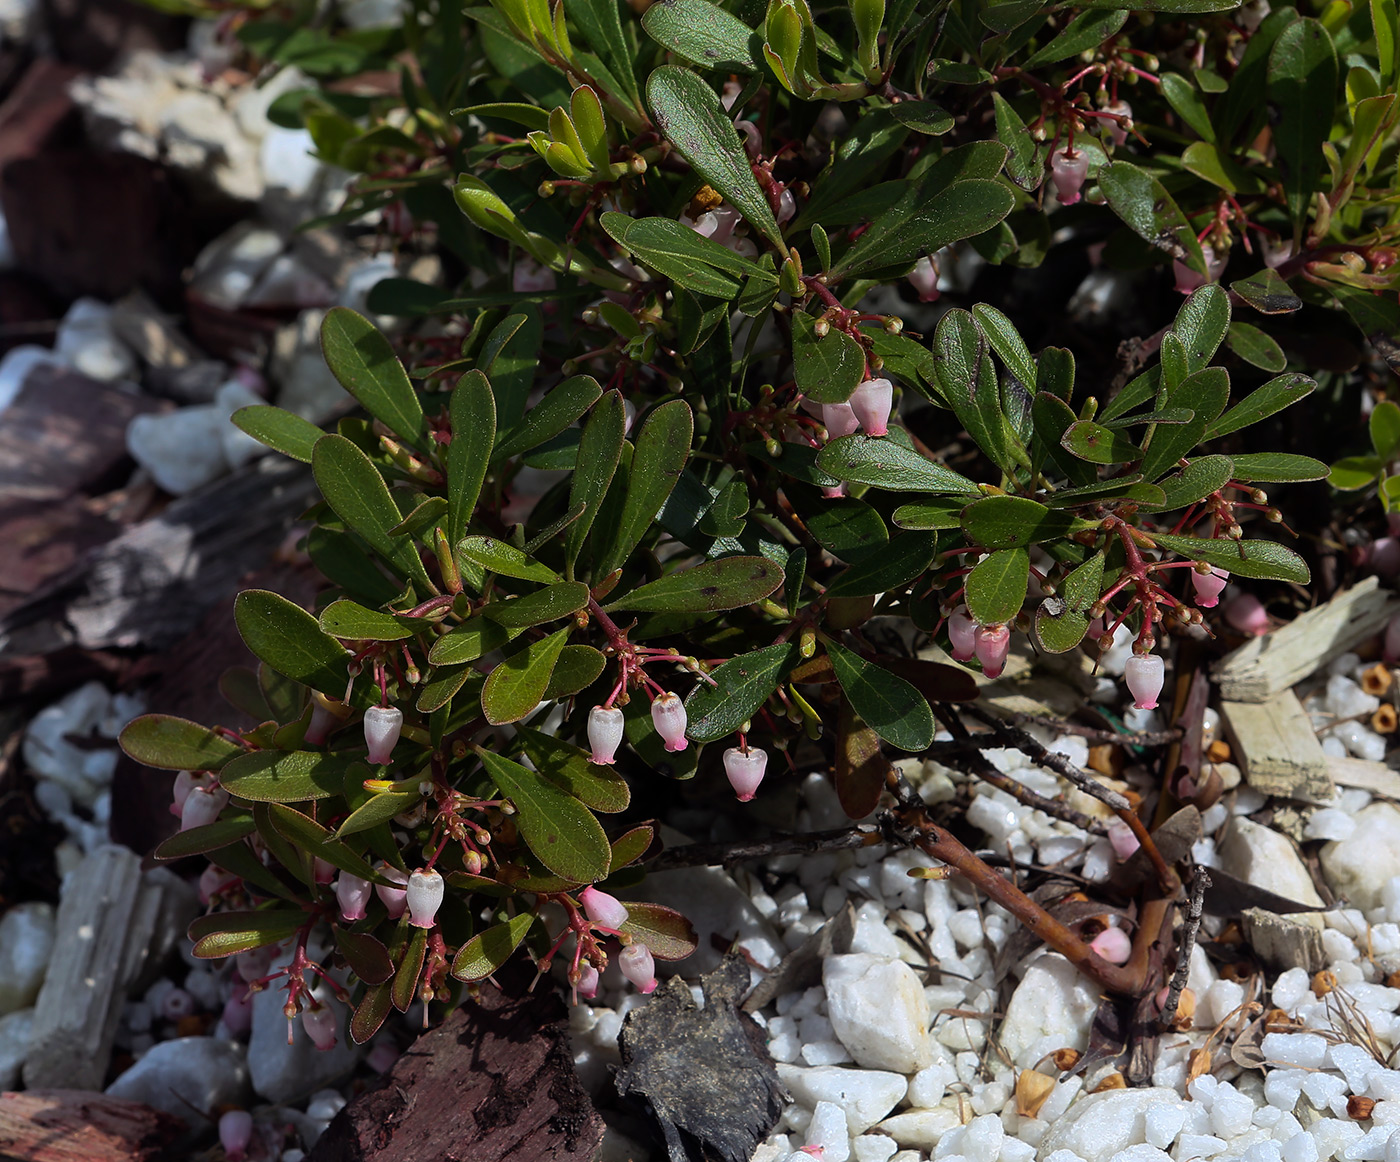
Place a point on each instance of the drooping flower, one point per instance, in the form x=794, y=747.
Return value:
x=352, y=894
x=669, y=718
x=871, y=402
x=605, y=728
x=202, y=806
x=993, y=644
x=639, y=966
x=1246, y=614
x=1117, y=133
x=924, y=279
x=1209, y=586
x=1114, y=945
x=424, y=897
x=235, y=1132
x=962, y=634
x=1143, y=673
x=602, y=908
x=383, y=724
x=319, y=1022
x=1068, y=169
x=395, y=900
x=745, y=769
x=840, y=419
x=587, y=982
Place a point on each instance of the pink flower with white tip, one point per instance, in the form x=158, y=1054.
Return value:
x=185, y=782
x=1209, y=586
x=235, y=1132
x=383, y=725
x=319, y=1022
x=962, y=635
x=395, y=900
x=352, y=894
x=719, y=226
x=603, y=909
x=745, y=769
x=1068, y=169
x=1118, y=133
x=1246, y=614
x=840, y=420
x=669, y=718
x=871, y=402
x=1143, y=673
x=202, y=806
x=993, y=645
x=424, y=898
x=1188, y=280
x=924, y=279
x=605, y=728
x=587, y=986
x=638, y=966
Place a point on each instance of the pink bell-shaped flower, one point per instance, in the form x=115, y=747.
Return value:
x=1114, y=945
x=1246, y=614
x=1068, y=169
x=238, y=1012
x=1188, y=280
x=639, y=966
x=1122, y=839
x=962, y=634
x=324, y=872
x=202, y=806
x=383, y=724
x=871, y=402
x=605, y=728
x=993, y=644
x=840, y=419
x=319, y=1022
x=1209, y=586
x=352, y=894
x=587, y=986
x=668, y=716
x=1143, y=673
x=924, y=279
x=1392, y=641
x=834, y=491
x=185, y=782
x=603, y=909
x=254, y=964
x=211, y=880
x=745, y=769
x=235, y=1132
x=1117, y=132
x=325, y=716
x=395, y=900
x=787, y=207
x=425, y=892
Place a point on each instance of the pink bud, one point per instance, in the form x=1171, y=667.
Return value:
x=603, y=909
x=638, y=966
x=1116, y=132
x=787, y=207
x=202, y=806
x=382, y=727
x=834, y=491
x=1143, y=673
x=1188, y=280
x=395, y=900
x=745, y=769
x=924, y=279
x=238, y=1012
x=1068, y=170
x=587, y=986
x=840, y=419
x=1384, y=558
x=1122, y=839
x=604, y=734
x=253, y=965
x=322, y=723
x=319, y=1022
x=962, y=634
x=1245, y=613
x=1209, y=586
x=668, y=716
x=871, y=402
x=1114, y=945
x=352, y=894
x=211, y=880
x=1392, y=641
x=185, y=782
x=993, y=644
x=235, y=1132
x=425, y=892
x=1096, y=628
x=323, y=872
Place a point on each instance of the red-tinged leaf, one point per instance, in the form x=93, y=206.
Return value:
x=365, y=955
x=665, y=931
x=210, y=837
x=860, y=765
x=405, y=986
x=370, y=1014
x=485, y=952
x=632, y=845
x=228, y=933
x=176, y=744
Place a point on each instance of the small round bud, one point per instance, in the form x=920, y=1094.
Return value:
x=603, y=909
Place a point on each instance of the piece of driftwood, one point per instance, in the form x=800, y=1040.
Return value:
x=105, y=923
x=802, y=967
x=494, y=1082
x=1276, y=749
x=1282, y=942
x=1266, y=666
x=1377, y=778
x=73, y=1125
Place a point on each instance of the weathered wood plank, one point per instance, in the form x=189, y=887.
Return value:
x=1283, y=941
x=70, y=1125
x=1377, y=778
x=1276, y=749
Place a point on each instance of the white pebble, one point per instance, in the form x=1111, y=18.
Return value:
x=1162, y=1123
x=1301, y=1050
x=1329, y=823
x=1345, y=699
x=827, y=1129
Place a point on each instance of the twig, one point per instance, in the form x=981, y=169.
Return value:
x=1094, y=734
x=1200, y=881
x=727, y=854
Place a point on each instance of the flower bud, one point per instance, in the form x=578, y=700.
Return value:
x=745, y=769
x=924, y=279
x=1384, y=558
x=425, y=891
x=323, y=872
x=393, y=899
x=668, y=716
x=871, y=403
x=202, y=806
x=587, y=982
x=324, y=718
x=1246, y=614
x=1068, y=170
x=993, y=644
x=962, y=634
x=1117, y=132
x=605, y=728
x=840, y=420
x=383, y=725
x=638, y=966
x=1114, y=945
x=603, y=909
x=235, y=1132
x=1122, y=839
x=211, y=879
x=352, y=894
x=319, y=1022
x=1143, y=673
x=1209, y=586
x=787, y=206
x=185, y=782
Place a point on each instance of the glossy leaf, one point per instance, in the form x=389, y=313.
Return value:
x=229, y=933
x=906, y=558
x=370, y=1014
x=547, y=604
x=923, y=222
x=1204, y=475
x=568, y=766
x=600, y=447
x=291, y=641
x=516, y=685
x=472, y=410
x=379, y=808
x=176, y=744
x=207, y=838
x=352, y=621
x=1352, y=472
x=740, y=686
x=1277, y=468
x=367, y=957
x=1263, y=402
x=894, y=709
x=704, y=34
x=364, y=362
x=728, y=583
x=883, y=462
x=861, y=767
x=1302, y=78
x=826, y=369
x=1006, y=341
x=1256, y=347
x=310, y=836
x=404, y=987
x=996, y=587
x=1087, y=30
x=274, y=776
x=487, y=951
x=1202, y=324
x=1267, y=293
x=559, y=408
x=1143, y=203
x=280, y=430
x=1098, y=444
x=662, y=448
x=942, y=513
x=1062, y=621
x=497, y=556
x=465, y=643
x=578, y=668
x=1008, y=522
x=681, y=253
x=1384, y=426
x=665, y=931
x=1260, y=560
x=969, y=384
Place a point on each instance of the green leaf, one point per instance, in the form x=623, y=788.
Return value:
x=404, y=987
x=1303, y=88
x=689, y=114
x=944, y=513
x=379, y=808
x=600, y=447
x=1208, y=162
x=291, y=641
x=1262, y=402
x=1267, y=293
x=996, y=587
x=503, y=558
x=663, y=447
x=1006, y=341
x=364, y=363
x=1259, y=560
x=924, y=117
x=1183, y=97
x=563, y=834
x=665, y=931
x=894, y=709
x=209, y=837
x=352, y=621
x=1010, y=522
x=356, y=491
x=1025, y=162
x=1119, y=488
x=1352, y=472
x=516, y=685
x=556, y=411
x=485, y=952
x=1172, y=6
x=424, y=516
x=1143, y=203
x=176, y=744
x=1204, y=475
x=969, y=385
x=578, y=668
x=547, y=604
x=741, y=686
x=229, y=933
x=1385, y=429
x=728, y=583
x=530, y=116
x=826, y=369
x=602, y=25
x=367, y=957
x=883, y=462
x=310, y=836
x=472, y=410
x=849, y=529
x=704, y=34
x=341, y=557
x=1098, y=444
x=1256, y=347
x=682, y=255
x=906, y=558
x=280, y=430
x=1278, y=468
x=510, y=356
x=600, y=788
x=465, y=643
x=1201, y=325
x=278, y=776
x=1087, y=30
x=1062, y=621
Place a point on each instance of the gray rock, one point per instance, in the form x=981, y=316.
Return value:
x=1267, y=859
x=307, y=386
x=282, y=1072
x=182, y=450
x=16, y=1030
x=199, y=1072
x=711, y=900
x=26, y=943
